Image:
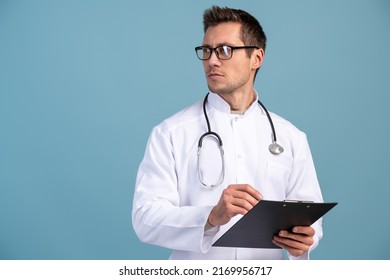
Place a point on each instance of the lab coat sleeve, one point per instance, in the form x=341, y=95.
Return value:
x=158, y=217
x=304, y=185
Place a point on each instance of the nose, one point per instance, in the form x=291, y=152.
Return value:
x=214, y=60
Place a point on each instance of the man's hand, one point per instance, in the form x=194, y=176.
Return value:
x=296, y=242
x=235, y=199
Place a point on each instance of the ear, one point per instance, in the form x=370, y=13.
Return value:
x=257, y=58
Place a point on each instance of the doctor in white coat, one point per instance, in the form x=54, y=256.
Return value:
x=185, y=201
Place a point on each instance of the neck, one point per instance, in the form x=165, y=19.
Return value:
x=240, y=101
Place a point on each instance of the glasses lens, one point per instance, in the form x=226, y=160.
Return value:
x=203, y=53
x=224, y=52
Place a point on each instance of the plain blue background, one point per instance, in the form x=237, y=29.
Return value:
x=82, y=83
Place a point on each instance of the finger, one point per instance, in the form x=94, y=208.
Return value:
x=229, y=206
x=235, y=199
x=231, y=211
x=222, y=213
x=232, y=195
x=249, y=190
x=292, y=251
x=309, y=231
x=245, y=192
x=242, y=199
x=230, y=203
x=293, y=243
x=242, y=203
x=300, y=238
x=237, y=210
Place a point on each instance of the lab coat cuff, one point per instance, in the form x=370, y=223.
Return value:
x=304, y=256
x=208, y=234
x=208, y=239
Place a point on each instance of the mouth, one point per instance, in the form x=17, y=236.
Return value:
x=214, y=75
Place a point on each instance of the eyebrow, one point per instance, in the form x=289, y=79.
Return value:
x=221, y=44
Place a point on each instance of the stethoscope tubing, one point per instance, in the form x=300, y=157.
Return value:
x=274, y=147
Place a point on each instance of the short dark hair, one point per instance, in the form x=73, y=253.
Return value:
x=251, y=32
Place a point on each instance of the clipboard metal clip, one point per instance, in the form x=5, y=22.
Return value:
x=298, y=201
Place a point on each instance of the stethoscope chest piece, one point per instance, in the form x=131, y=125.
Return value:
x=275, y=148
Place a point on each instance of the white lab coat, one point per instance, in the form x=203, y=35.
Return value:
x=171, y=206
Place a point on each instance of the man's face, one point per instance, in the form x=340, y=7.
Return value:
x=233, y=75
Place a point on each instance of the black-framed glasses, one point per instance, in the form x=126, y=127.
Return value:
x=222, y=52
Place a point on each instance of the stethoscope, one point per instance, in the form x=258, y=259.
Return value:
x=274, y=147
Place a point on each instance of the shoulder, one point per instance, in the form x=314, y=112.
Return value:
x=286, y=127
x=182, y=119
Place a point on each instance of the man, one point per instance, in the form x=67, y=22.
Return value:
x=185, y=201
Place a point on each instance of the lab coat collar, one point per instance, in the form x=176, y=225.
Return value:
x=219, y=104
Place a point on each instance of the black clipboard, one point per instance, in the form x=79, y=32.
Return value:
x=266, y=218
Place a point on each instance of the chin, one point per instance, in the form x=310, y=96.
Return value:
x=218, y=90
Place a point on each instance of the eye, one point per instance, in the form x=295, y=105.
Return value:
x=224, y=51
x=203, y=53
x=206, y=50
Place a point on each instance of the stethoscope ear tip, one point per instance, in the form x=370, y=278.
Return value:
x=275, y=148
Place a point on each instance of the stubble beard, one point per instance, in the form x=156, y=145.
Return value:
x=229, y=88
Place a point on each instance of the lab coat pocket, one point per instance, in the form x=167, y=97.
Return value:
x=278, y=175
